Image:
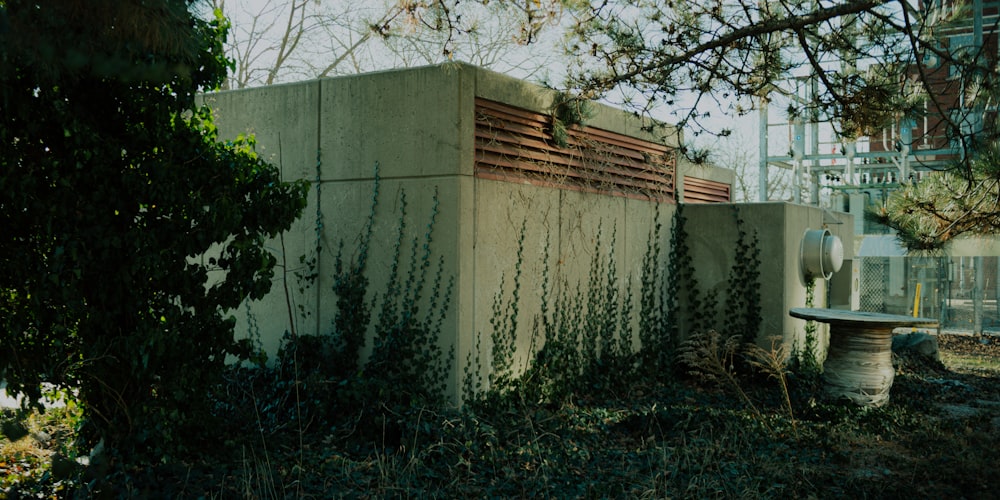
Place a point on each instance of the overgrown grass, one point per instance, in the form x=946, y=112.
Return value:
x=664, y=440
x=37, y=452
x=970, y=362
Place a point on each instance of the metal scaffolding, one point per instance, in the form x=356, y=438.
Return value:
x=853, y=174
x=820, y=159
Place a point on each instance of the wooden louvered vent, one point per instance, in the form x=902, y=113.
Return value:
x=516, y=145
x=705, y=191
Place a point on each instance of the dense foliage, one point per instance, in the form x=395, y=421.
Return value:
x=659, y=441
x=931, y=213
x=129, y=231
x=965, y=200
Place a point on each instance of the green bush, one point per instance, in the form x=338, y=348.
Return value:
x=130, y=230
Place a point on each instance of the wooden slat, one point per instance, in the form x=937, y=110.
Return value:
x=541, y=120
x=519, y=121
x=484, y=159
x=534, y=137
x=615, y=165
x=506, y=176
x=705, y=191
x=516, y=145
x=557, y=171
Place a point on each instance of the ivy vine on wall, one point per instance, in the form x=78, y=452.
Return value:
x=692, y=310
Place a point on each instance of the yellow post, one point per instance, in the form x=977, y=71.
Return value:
x=916, y=302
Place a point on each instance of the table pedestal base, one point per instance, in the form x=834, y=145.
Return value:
x=858, y=366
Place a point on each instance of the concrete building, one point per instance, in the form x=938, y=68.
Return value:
x=478, y=154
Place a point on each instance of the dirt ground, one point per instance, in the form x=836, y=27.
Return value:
x=963, y=386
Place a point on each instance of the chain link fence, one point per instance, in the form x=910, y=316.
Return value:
x=959, y=291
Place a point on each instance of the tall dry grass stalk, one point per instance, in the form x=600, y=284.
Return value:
x=774, y=363
x=711, y=357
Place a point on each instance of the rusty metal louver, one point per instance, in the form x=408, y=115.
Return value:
x=705, y=191
x=516, y=145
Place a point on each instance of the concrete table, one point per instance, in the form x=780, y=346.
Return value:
x=858, y=363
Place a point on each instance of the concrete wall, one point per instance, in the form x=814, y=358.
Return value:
x=418, y=126
x=563, y=231
x=779, y=228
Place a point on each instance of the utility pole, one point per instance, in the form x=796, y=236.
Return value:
x=762, y=148
x=977, y=297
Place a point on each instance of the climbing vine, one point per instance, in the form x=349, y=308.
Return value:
x=689, y=309
x=743, y=307
x=683, y=295
x=804, y=356
x=654, y=331
x=568, y=110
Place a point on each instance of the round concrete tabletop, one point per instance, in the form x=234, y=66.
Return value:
x=857, y=318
